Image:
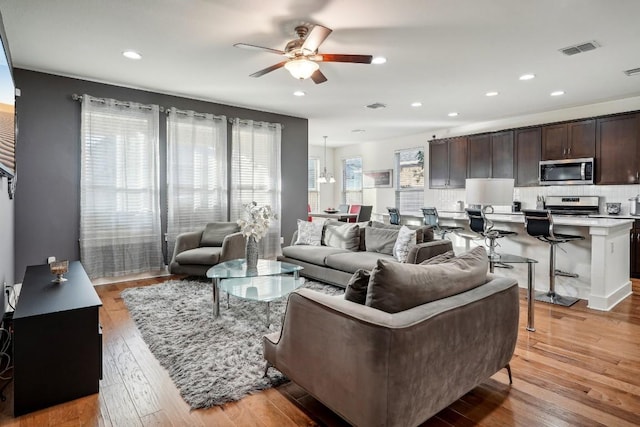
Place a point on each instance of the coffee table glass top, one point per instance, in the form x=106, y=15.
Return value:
x=238, y=268
x=266, y=288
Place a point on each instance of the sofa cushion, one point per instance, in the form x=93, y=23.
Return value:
x=215, y=232
x=309, y=233
x=205, y=255
x=406, y=239
x=380, y=240
x=395, y=287
x=352, y=261
x=357, y=287
x=312, y=254
x=438, y=259
x=423, y=233
x=344, y=236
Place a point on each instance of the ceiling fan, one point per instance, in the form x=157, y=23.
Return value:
x=302, y=54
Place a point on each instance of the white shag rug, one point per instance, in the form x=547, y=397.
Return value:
x=211, y=361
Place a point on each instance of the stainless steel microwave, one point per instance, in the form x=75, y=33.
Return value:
x=567, y=172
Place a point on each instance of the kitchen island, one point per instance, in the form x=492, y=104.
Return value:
x=601, y=260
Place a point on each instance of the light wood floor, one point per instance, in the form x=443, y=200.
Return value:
x=580, y=368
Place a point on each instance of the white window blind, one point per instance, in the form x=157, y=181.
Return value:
x=409, y=168
x=352, y=181
x=313, y=192
x=119, y=193
x=255, y=175
x=196, y=172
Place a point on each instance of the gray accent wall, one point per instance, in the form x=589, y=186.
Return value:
x=47, y=200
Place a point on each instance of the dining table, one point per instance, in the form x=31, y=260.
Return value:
x=333, y=215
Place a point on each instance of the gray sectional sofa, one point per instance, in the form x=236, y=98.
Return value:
x=346, y=248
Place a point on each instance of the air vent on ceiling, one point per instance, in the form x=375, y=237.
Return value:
x=632, y=72
x=579, y=48
x=376, y=105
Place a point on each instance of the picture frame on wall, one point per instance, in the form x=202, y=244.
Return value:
x=377, y=179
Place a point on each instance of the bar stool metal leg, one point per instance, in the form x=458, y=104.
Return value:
x=551, y=296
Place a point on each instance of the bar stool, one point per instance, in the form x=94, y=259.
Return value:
x=539, y=224
x=432, y=219
x=394, y=216
x=481, y=225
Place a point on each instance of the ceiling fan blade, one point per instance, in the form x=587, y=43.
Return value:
x=318, y=77
x=254, y=47
x=315, y=38
x=268, y=69
x=330, y=57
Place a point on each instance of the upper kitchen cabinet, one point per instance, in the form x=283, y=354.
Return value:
x=617, y=139
x=572, y=140
x=490, y=155
x=448, y=163
x=527, y=154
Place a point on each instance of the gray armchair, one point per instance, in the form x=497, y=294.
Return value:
x=197, y=251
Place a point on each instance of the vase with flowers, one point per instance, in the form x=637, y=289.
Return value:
x=254, y=228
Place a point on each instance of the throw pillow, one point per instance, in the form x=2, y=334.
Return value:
x=406, y=238
x=357, y=287
x=395, y=287
x=423, y=233
x=309, y=233
x=439, y=259
x=215, y=232
x=381, y=240
x=345, y=236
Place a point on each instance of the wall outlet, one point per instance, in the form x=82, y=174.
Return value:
x=281, y=240
x=51, y=259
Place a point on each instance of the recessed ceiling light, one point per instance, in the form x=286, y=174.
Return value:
x=452, y=114
x=416, y=104
x=299, y=93
x=527, y=76
x=358, y=131
x=379, y=60
x=131, y=54
x=494, y=93
x=557, y=93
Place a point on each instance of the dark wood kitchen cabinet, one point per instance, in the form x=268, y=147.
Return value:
x=572, y=140
x=448, y=162
x=490, y=155
x=634, y=251
x=527, y=144
x=617, y=139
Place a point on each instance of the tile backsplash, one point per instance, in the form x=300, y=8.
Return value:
x=446, y=199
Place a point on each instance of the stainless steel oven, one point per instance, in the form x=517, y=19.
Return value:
x=567, y=172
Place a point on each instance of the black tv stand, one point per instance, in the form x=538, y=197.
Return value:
x=57, y=339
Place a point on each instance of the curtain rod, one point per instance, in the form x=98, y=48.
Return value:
x=127, y=104
x=256, y=123
x=196, y=114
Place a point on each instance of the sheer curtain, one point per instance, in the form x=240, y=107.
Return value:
x=196, y=172
x=255, y=174
x=119, y=195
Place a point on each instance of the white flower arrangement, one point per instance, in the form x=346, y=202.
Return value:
x=257, y=225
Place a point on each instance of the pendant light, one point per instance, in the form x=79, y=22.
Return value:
x=324, y=176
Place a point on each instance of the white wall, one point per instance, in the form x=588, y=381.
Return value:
x=380, y=155
x=6, y=236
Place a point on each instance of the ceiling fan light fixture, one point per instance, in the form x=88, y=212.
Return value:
x=301, y=68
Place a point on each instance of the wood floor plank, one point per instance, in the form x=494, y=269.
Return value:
x=580, y=368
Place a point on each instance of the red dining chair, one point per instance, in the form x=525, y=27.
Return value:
x=309, y=218
x=354, y=209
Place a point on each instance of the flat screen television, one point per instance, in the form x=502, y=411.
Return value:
x=7, y=110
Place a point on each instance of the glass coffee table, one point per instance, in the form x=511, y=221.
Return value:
x=264, y=283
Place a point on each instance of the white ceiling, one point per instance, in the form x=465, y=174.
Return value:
x=445, y=53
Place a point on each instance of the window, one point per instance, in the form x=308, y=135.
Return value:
x=196, y=172
x=255, y=175
x=409, y=167
x=313, y=195
x=352, y=181
x=119, y=188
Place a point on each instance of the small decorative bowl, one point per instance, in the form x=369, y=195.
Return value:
x=59, y=268
x=330, y=211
